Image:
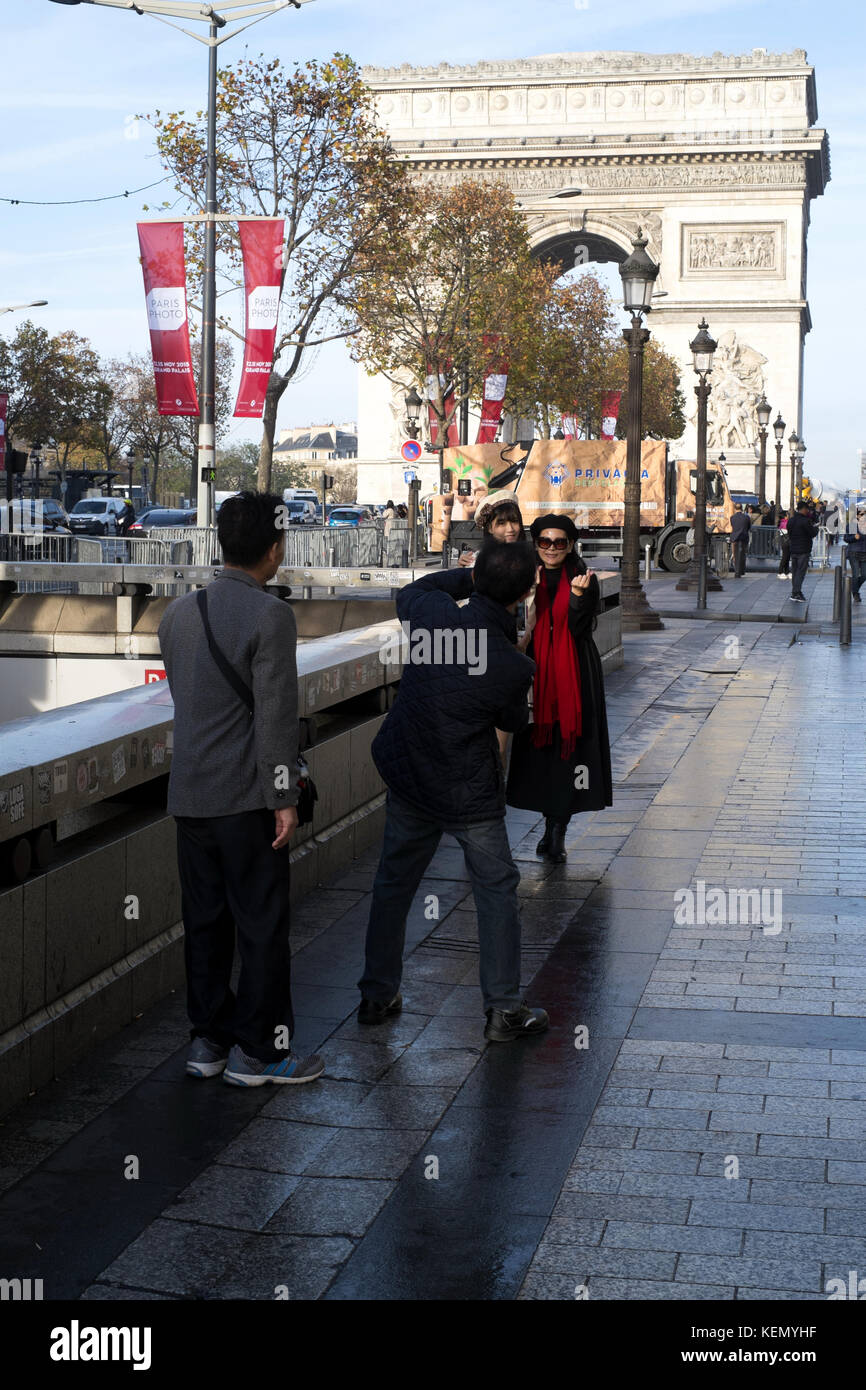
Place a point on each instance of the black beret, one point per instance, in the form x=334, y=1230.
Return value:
x=552, y=522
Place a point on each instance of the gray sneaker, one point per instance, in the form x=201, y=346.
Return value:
x=206, y=1058
x=290, y=1069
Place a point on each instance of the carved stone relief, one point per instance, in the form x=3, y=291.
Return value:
x=737, y=380
x=631, y=177
x=744, y=249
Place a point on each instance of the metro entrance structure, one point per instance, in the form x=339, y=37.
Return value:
x=716, y=158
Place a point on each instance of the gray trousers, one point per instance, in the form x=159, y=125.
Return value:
x=799, y=567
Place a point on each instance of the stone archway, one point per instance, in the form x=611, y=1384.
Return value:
x=716, y=158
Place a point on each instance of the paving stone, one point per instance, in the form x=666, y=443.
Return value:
x=233, y=1197
x=766, y=1123
x=795, y=1146
x=773, y=1085
x=831, y=1249
x=644, y=1117
x=582, y=1260
x=433, y=1067
x=303, y=1265
x=592, y=1206
x=176, y=1257
x=402, y=1107
x=367, y=1153
x=810, y=1193
x=764, y=1053
x=673, y=1049
x=845, y=1109
x=645, y=1235
x=741, y=1272
x=682, y=1185
x=592, y=1180
x=327, y=1102
x=698, y=1140
x=636, y=1161
x=358, y=1061
x=842, y=1221
x=619, y=1290
x=720, y=1066
x=609, y=1136
x=707, y=1211
x=566, y=1231
x=795, y=1169
x=779, y=1295
x=331, y=1207
x=846, y=1172
x=549, y=1287
x=277, y=1146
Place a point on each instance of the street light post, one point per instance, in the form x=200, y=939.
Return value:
x=702, y=346
x=250, y=11
x=801, y=454
x=779, y=432
x=763, y=412
x=638, y=274
x=130, y=464
x=793, y=441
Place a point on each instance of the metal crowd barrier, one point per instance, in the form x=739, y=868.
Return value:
x=719, y=553
x=764, y=543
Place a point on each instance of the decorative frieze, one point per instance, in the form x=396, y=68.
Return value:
x=526, y=177
x=739, y=249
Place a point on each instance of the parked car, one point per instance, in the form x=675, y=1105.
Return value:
x=351, y=516
x=158, y=517
x=301, y=513
x=44, y=514
x=97, y=516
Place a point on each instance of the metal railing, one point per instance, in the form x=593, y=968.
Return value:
x=764, y=543
x=719, y=553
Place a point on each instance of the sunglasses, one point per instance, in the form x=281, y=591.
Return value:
x=545, y=543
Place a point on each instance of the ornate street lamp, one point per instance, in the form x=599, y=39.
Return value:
x=638, y=274
x=779, y=432
x=763, y=411
x=36, y=464
x=793, y=441
x=703, y=345
x=413, y=403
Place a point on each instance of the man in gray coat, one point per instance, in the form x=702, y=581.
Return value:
x=232, y=791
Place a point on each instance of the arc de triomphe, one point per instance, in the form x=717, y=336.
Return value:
x=717, y=158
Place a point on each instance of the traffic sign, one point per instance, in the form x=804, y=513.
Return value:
x=411, y=451
x=409, y=475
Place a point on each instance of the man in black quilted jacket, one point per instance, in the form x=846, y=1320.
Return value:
x=437, y=751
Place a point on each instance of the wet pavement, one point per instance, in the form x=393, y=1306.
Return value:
x=692, y=1126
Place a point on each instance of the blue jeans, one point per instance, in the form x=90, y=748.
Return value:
x=410, y=842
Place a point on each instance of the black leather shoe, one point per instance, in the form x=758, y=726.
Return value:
x=556, y=842
x=371, y=1012
x=521, y=1022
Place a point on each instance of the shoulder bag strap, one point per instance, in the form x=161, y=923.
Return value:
x=239, y=686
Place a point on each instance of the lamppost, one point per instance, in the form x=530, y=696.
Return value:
x=779, y=432
x=252, y=11
x=413, y=404
x=800, y=451
x=35, y=464
x=130, y=463
x=702, y=346
x=763, y=412
x=638, y=274
x=793, y=441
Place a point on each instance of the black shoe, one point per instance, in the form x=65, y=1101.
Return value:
x=544, y=842
x=371, y=1012
x=857, y=598
x=799, y=598
x=503, y=1025
x=556, y=842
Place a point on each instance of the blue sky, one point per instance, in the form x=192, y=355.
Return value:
x=76, y=76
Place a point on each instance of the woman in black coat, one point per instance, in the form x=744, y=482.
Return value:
x=560, y=764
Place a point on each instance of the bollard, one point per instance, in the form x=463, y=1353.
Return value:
x=843, y=558
x=837, y=593
x=702, y=582
x=330, y=591
x=647, y=563
x=845, y=618
x=307, y=591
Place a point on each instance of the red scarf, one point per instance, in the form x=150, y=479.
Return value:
x=556, y=697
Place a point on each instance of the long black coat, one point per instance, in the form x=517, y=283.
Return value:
x=538, y=778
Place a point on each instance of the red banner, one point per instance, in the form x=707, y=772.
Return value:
x=262, y=249
x=609, y=413
x=494, y=393
x=447, y=405
x=164, y=266
x=4, y=409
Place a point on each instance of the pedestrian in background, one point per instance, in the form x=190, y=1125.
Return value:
x=856, y=542
x=560, y=764
x=230, y=663
x=741, y=525
x=388, y=516
x=784, y=570
x=802, y=530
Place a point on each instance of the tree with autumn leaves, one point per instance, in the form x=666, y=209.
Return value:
x=301, y=143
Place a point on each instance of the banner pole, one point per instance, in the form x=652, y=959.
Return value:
x=207, y=389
